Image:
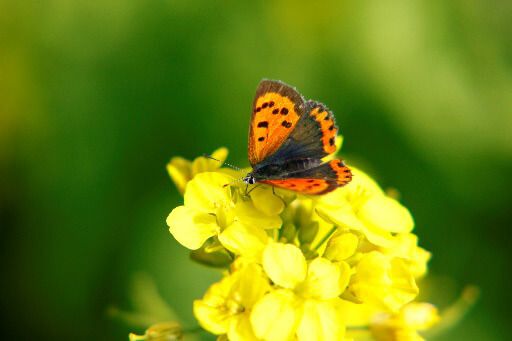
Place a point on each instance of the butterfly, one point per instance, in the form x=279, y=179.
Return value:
x=288, y=138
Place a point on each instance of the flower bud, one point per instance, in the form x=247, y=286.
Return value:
x=341, y=246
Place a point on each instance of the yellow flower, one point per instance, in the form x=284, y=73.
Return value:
x=227, y=305
x=404, y=325
x=383, y=281
x=331, y=267
x=407, y=248
x=303, y=302
x=210, y=209
x=363, y=206
x=182, y=171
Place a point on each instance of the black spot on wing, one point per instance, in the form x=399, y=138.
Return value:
x=286, y=124
x=283, y=89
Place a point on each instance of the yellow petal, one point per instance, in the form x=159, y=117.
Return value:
x=206, y=192
x=343, y=216
x=284, y=264
x=202, y=164
x=361, y=186
x=220, y=154
x=346, y=217
x=320, y=321
x=346, y=273
x=251, y=285
x=383, y=281
x=385, y=213
x=325, y=280
x=191, y=228
x=247, y=241
x=404, y=326
x=266, y=201
x=276, y=316
x=240, y=328
x=339, y=143
x=419, y=315
x=418, y=263
x=248, y=215
x=341, y=246
x=210, y=311
x=379, y=237
x=355, y=314
x=406, y=247
x=180, y=171
x=385, y=332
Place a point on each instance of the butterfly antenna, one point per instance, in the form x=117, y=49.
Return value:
x=234, y=182
x=225, y=163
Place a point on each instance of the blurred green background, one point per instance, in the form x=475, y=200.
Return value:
x=95, y=97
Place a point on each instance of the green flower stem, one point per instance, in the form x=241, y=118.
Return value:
x=325, y=238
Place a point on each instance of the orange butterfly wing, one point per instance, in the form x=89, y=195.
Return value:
x=325, y=120
x=319, y=180
x=277, y=108
x=304, y=186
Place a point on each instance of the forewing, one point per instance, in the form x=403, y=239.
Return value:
x=317, y=180
x=277, y=108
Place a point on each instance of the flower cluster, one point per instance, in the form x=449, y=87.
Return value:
x=329, y=267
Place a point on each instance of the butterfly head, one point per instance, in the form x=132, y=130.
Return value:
x=249, y=179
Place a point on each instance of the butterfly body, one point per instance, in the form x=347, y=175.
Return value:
x=282, y=170
x=288, y=138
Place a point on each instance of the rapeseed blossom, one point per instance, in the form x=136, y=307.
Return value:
x=301, y=267
x=182, y=170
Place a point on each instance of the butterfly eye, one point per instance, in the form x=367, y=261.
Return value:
x=249, y=180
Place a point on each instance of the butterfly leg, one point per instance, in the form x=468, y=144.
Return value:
x=252, y=189
x=274, y=193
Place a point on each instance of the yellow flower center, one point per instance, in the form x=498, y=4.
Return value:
x=233, y=307
x=224, y=213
